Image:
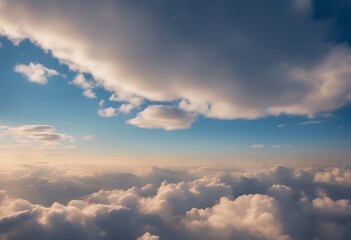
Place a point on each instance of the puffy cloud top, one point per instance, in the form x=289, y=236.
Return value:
x=278, y=203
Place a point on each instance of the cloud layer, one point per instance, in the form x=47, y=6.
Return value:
x=217, y=61
x=274, y=203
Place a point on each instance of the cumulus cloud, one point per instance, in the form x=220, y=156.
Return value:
x=45, y=202
x=164, y=117
x=107, y=112
x=36, y=72
x=34, y=137
x=148, y=236
x=335, y=176
x=89, y=94
x=80, y=81
x=87, y=86
x=224, y=66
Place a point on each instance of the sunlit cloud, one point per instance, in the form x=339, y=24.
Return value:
x=34, y=137
x=199, y=71
x=167, y=204
x=107, y=112
x=163, y=117
x=36, y=72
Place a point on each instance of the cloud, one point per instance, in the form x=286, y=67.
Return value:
x=334, y=176
x=45, y=202
x=163, y=117
x=87, y=86
x=35, y=72
x=107, y=112
x=34, y=137
x=80, y=81
x=126, y=108
x=89, y=94
x=148, y=236
x=89, y=137
x=257, y=146
x=282, y=125
x=311, y=122
x=221, y=65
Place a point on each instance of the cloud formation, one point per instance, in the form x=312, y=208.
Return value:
x=36, y=72
x=107, y=112
x=44, y=202
x=34, y=137
x=164, y=117
x=217, y=61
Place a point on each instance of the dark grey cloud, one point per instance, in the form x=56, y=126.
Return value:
x=46, y=202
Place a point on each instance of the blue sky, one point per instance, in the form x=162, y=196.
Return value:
x=250, y=124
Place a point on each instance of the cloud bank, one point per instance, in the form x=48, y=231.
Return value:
x=213, y=57
x=44, y=202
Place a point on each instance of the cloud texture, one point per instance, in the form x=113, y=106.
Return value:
x=275, y=203
x=213, y=57
x=36, y=72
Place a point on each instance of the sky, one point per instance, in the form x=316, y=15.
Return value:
x=149, y=120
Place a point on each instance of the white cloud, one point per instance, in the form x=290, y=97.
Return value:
x=214, y=72
x=148, y=236
x=125, y=97
x=311, y=122
x=89, y=94
x=282, y=125
x=34, y=137
x=246, y=217
x=101, y=103
x=35, y=72
x=257, y=146
x=164, y=117
x=126, y=108
x=276, y=146
x=107, y=112
x=80, y=81
x=89, y=137
x=334, y=176
x=45, y=202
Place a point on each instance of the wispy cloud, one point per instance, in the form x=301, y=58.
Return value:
x=34, y=137
x=36, y=72
x=309, y=122
x=282, y=125
x=89, y=137
x=257, y=146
